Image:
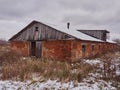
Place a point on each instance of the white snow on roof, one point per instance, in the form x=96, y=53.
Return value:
x=73, y=32
x=110, y=41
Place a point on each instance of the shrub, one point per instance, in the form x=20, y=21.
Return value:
x=9, y=57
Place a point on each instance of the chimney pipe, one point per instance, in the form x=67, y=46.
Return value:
x=68, y=25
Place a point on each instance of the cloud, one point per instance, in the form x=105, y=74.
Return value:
x=9, y=28
x=92, y=11
x=93, y=14
x=88, y=14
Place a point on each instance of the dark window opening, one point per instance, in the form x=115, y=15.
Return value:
x=83, y=48
x=35, y=33
x=93, y=47
x=33, y=48
x=36, y=28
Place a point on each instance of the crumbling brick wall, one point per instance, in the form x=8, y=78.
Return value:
x=20, y=47
x=58, y=49
x=69, y=50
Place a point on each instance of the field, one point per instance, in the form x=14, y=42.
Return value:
x=30, y=73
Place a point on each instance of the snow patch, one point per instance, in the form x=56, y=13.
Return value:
x=118, y=72
x=54, y=85
x=96, y=61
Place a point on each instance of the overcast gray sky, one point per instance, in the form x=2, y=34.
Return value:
x=84, y=14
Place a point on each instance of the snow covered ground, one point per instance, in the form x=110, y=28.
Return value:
x=54, y=85
x=92, y=62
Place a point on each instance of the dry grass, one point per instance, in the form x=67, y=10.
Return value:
x=108, y=71
x=13, y=66
x=50, y=69
x=111, y=63
x=9, y=56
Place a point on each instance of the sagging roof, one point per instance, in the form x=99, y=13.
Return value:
x=62, y=28
x=73, y=32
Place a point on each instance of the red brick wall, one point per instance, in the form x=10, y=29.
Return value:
x=107, y=47
x=77, y=49
x=64, y=49
x=20, y=47
x=58, y=49
x=69, y=50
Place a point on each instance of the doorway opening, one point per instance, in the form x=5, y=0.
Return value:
x=36, y=48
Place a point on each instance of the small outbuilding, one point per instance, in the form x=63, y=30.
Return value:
x=62, y=43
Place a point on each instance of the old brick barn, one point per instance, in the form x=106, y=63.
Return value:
x=58, y=42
